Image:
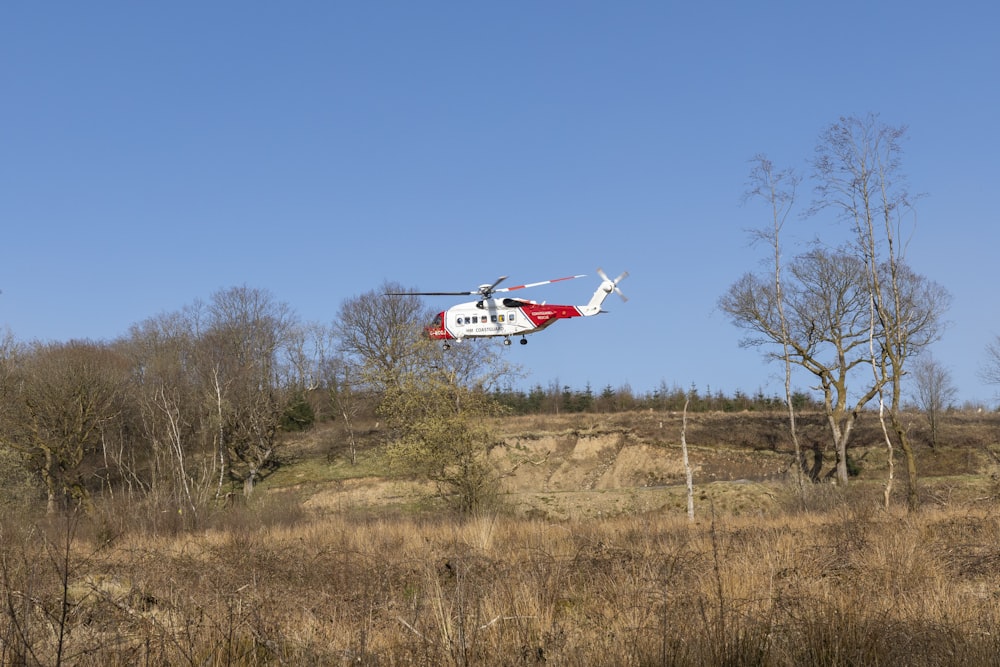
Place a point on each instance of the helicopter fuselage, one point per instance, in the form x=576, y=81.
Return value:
x=497, y=317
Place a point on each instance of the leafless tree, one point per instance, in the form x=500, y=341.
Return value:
x=347, y=398
x=777, y=189
x=247, y=332
x=18, y=479
x=381, y=335
x=67, y=396
x=990, y=372
x=688, y=473
x=826, y=330
x=10, y=351
x=830, y=328
x=172, y=417
x=310, y=346
x=933, y=391
x=858, y=168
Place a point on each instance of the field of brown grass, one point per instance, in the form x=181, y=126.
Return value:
x=590, y=560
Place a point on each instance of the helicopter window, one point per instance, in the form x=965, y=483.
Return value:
x=500, y=316
x=493, y=318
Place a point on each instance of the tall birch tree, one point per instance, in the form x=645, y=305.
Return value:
x=777, y=189
x=858, y=167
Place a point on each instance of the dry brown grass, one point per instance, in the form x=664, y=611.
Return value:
x=847, y=585
x=602, y=568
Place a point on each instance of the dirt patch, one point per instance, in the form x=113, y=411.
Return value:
x=644, y=466
x=562, y=477
x=574, y=466
x=366, y=492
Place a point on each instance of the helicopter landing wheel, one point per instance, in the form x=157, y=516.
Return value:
x=506, y=341
x=524, y=341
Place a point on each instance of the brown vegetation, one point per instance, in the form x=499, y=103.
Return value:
x=589, y=559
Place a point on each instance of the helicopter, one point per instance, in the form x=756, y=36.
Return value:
x=491, y=316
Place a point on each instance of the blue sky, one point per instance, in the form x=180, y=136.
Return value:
x=154, y=153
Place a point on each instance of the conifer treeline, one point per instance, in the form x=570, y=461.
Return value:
x=556, y=399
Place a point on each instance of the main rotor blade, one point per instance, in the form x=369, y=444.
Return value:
x=485, y=291
x=429, y=293
x=544, y=282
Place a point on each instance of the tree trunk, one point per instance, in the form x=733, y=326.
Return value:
x=52, y=504
x=912, y=495
x=350, y=436
x=841, y=436
x=687, y=464
x=248, y=483
x=842, y=474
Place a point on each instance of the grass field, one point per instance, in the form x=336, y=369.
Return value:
x=589, y=560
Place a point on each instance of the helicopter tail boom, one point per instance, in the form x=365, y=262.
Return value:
x=606, y=287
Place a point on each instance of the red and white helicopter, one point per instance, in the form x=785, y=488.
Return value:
x=490, y=317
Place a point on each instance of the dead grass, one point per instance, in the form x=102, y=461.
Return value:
x=597, y=565
x=850, y=584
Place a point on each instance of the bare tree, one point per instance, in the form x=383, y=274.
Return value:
x=307, y=352
x=826, y=330
x=10, y=352
x=346, y=396
x=172, y=415
x=67, y=396
x=18, y=480
x=990, y=372
x=859, y=173
x=688, y=474
x=933, y=391
x=777, y=188
x=382, y=335
x=247, y=333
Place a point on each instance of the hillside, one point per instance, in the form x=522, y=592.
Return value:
x=588, y=465
x=335, y=563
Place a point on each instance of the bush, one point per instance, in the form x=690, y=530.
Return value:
x=299, y=414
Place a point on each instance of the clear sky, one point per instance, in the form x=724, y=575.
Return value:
x=154, y=153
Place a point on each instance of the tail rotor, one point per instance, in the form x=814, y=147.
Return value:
x=612, y=285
